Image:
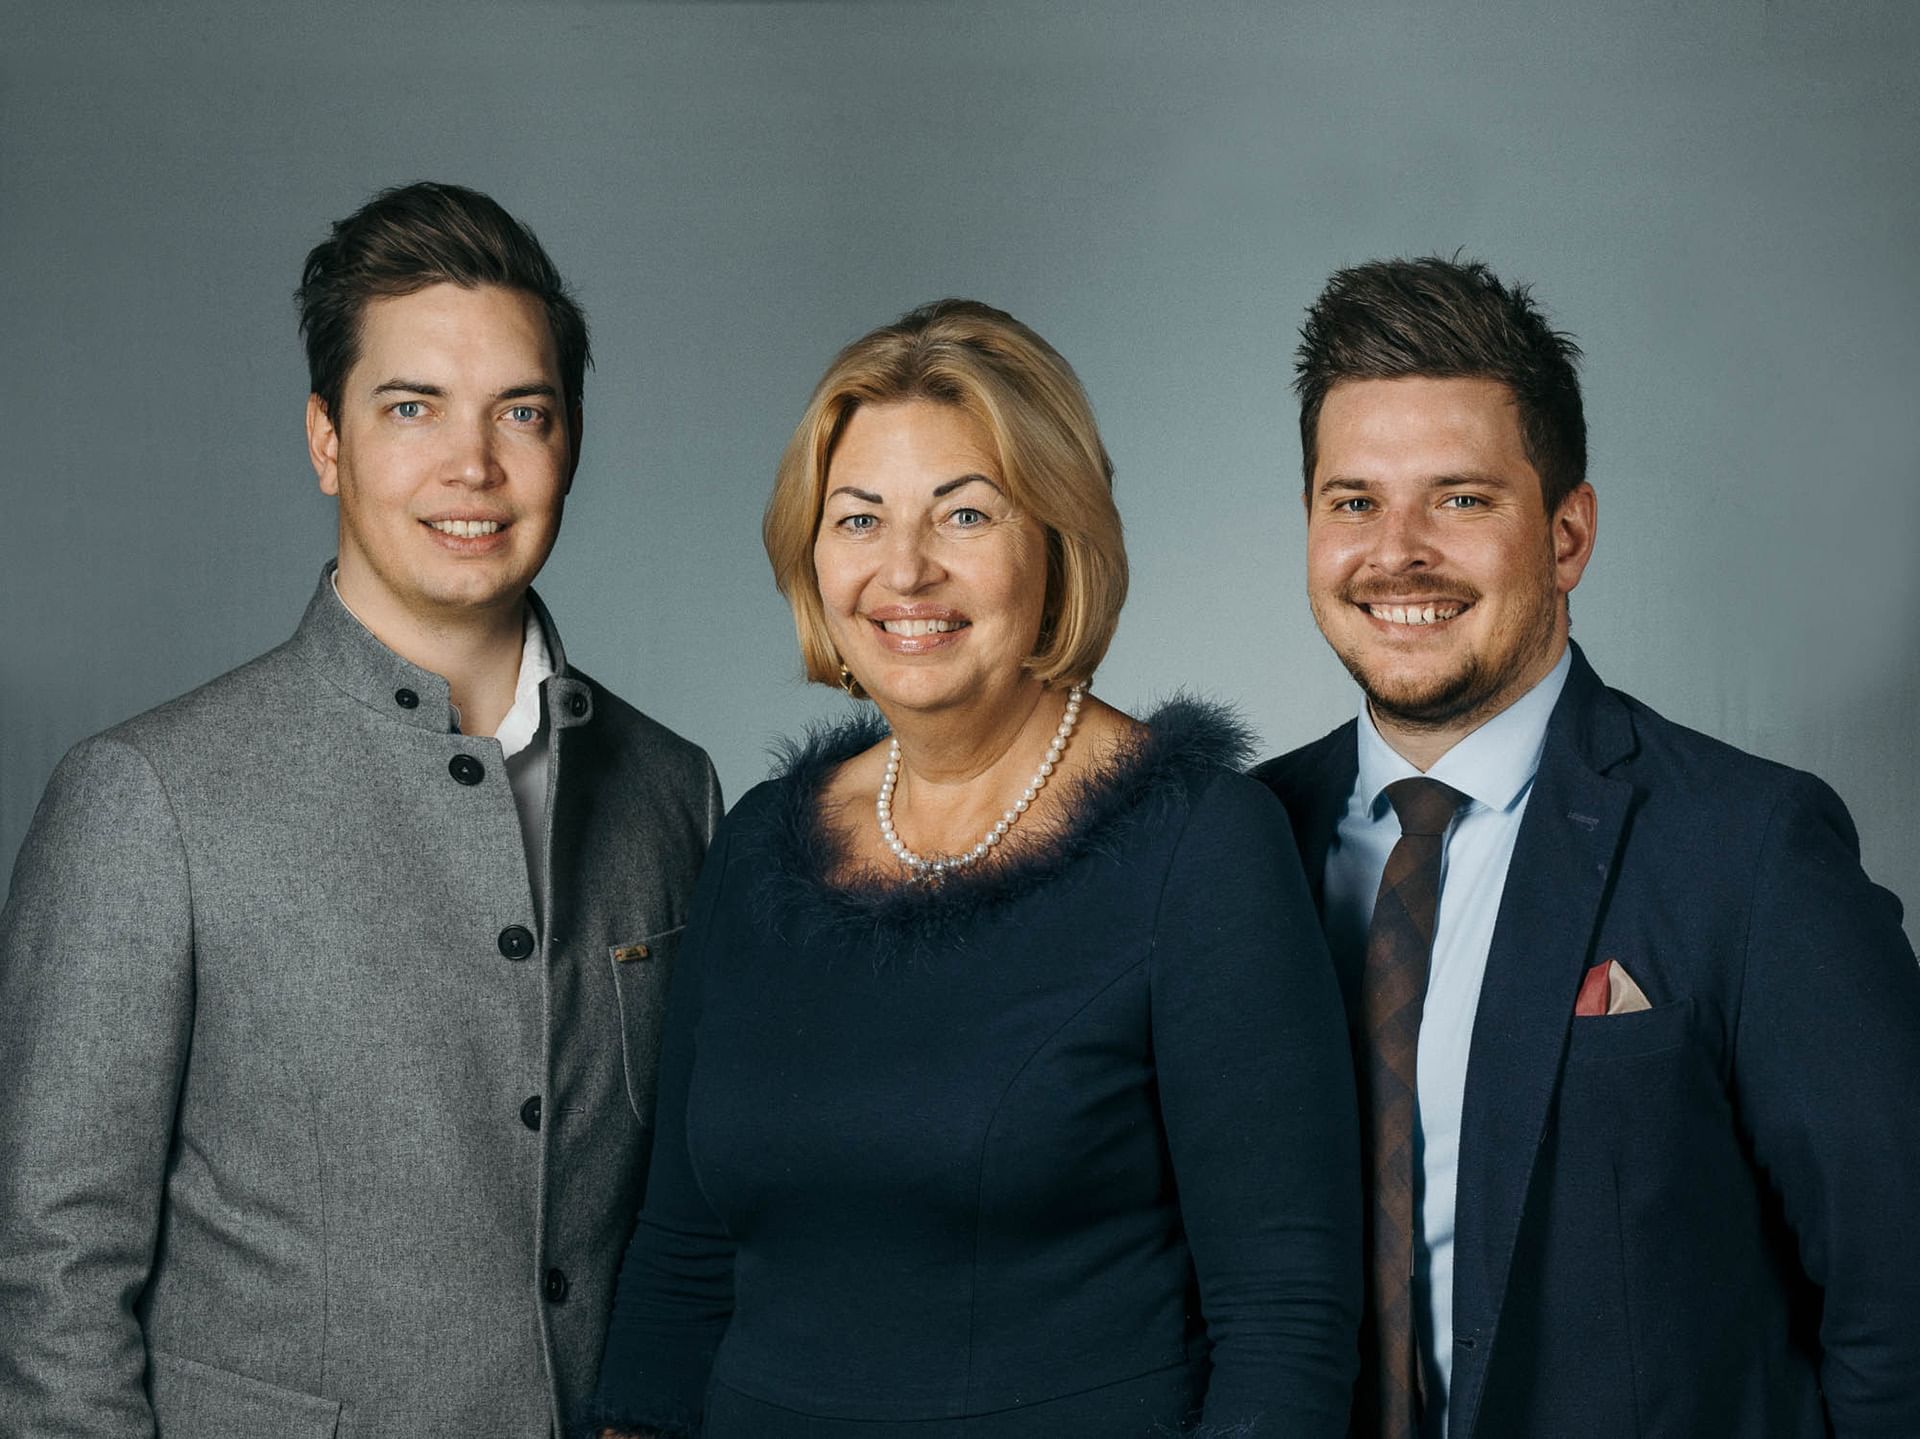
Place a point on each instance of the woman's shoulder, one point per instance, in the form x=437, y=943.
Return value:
x=1185, y=772
x=1184, y=744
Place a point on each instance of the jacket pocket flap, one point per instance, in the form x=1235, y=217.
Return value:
x=193, y=1398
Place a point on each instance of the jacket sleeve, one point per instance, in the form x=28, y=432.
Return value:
x=1256, y=1091
x=96, y=1005
x=1827, y=1078
x=675, y=1291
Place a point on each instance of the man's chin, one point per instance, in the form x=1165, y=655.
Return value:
x=1432, y=702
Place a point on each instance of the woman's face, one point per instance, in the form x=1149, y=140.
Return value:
x=933, y=584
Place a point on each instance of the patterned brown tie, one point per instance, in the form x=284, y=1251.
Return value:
x=1393, y=990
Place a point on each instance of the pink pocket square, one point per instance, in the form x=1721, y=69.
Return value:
x=1609, y=989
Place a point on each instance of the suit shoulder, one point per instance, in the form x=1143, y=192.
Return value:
x=237, y=698
x=1302, y=772
x=662, y=745
x=1676, y=761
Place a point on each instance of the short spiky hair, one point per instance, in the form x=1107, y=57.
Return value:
x=1446, y=319
x=413, y=236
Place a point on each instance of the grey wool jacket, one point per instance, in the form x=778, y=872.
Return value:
x=310, y=1124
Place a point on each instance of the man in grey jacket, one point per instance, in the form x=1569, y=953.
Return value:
x=330, y=992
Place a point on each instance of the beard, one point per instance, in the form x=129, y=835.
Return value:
x=1477, y=689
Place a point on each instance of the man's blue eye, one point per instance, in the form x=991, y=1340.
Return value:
x=1464, y=502
x=409, y=409
x=523, y=414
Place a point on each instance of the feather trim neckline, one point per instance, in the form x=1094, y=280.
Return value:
x=1138, y=783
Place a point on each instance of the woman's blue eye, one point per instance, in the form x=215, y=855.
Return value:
x=858, y=522
x=967, y=518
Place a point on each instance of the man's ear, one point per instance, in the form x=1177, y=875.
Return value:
x=576, y=417
x=1574, y=528
x=323, y=445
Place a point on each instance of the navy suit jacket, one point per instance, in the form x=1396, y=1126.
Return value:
x=1702, y=1219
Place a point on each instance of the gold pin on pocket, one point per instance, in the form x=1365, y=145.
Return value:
x=630, y=953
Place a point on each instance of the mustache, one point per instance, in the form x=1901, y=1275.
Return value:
x=1385, y=594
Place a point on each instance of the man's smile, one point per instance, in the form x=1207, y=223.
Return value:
x=466, y=529
x=1431, y=612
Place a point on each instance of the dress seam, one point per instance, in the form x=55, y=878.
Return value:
x=986, y=1142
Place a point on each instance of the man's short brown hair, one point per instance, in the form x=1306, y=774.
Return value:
x=1446, y=319
x=407, y=238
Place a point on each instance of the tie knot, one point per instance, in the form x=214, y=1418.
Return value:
x=1425, y=806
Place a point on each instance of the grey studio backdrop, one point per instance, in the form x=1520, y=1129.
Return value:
x=1719, y=199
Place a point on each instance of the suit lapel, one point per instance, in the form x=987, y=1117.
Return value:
x=1315, y=782
x=1335, y=765
x=1542, y=942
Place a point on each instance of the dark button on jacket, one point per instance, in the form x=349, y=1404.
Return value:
x=515, y=942
x=555, y=1288
x=466, y=769
x=530, y=1113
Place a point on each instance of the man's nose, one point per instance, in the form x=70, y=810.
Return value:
x=474, y=461
x=1404, y=540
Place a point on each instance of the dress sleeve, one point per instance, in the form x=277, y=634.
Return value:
x=1826, y=1072
x=96, y=1013
x=1257, y=1095
x=675, y=1292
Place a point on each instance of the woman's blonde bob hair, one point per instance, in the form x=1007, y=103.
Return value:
x=1052, y=467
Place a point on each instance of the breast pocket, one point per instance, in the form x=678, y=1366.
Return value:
x=1630, y=1036
x=641, y=973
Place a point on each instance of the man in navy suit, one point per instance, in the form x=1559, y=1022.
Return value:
x=1638, y=1041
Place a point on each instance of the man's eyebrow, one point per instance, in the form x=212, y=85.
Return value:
x=951, y=485
x=1351, y=484
x=1484, y=479
x=866, y=497
x=538, y=390
x=407, y=387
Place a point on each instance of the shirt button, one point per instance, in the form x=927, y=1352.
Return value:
x=530, y=1113
x=576, y=705
x=515, y=942
x=555, y=1287
x=405, y=698
x=466, y=769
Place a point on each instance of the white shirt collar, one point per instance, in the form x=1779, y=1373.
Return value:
x=522, y=720
x=1493, y=765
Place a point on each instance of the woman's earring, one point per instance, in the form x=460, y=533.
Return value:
x=851, y=685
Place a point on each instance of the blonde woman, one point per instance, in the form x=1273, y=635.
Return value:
x=1005, y=1089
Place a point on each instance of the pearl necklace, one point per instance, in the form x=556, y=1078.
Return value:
x=934, y=870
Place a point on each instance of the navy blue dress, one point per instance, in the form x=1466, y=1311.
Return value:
x=1065, y=1147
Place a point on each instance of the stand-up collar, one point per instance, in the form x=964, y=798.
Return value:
x=348, y=654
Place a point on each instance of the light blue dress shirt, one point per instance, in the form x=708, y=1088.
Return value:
x=1494, y=766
